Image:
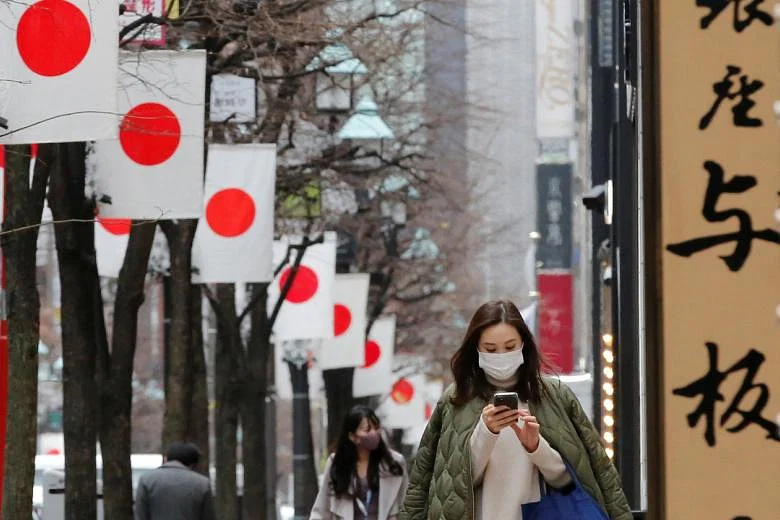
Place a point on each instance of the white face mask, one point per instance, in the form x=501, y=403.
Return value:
x=501, y=367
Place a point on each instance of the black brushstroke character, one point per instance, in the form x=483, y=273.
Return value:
x=741, y=21
x=708, y=387
x=724, y=90
x=743, y=236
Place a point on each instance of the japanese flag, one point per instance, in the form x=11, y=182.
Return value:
x=404, y=407
x=307, y=311
x=154, y=169
x=375, y=376
x=347, y=347
x=58, y=61
x=234, y=239
x=111, y=236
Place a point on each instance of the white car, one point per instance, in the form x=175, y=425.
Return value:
x=139, y=462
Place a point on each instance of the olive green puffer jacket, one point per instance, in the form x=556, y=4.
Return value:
x=440, y=486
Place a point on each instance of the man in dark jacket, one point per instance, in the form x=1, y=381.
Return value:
x=174, y=491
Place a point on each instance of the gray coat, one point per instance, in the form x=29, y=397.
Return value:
x=174, y=492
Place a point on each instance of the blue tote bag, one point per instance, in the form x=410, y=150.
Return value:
x=572, y=503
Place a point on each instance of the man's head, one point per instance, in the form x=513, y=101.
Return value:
x=183, y=452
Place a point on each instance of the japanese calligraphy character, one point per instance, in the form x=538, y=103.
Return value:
x=743, y=236
x=741, y=21
x=554, y=235
x=724, y=90
x=554, y=187
x=708, y=388
x=554, y=210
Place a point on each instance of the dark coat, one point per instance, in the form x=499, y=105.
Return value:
x=174, y=492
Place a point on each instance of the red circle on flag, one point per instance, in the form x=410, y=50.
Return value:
x=373, y=351
x=53, y=37
x=304, y=286
x=428, y=410
x=403, y=391
x=116, y=226
x=230, y=212
x=342, y=319
x=150, y=134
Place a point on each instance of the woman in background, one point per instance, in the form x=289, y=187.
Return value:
x=364, y=479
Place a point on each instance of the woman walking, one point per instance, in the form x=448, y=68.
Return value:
x=364, y=479
x=483, y=461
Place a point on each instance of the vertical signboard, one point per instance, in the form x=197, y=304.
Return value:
x=553, y=215
x=553, y=258
x=556, y=319
x=555, y=69
x=720, y=259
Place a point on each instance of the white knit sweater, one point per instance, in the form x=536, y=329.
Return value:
x=506, y=476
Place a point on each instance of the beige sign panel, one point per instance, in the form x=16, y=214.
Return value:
x=720, y=175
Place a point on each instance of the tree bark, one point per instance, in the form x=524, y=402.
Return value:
x=80, y=302
x=24, y=207
x=338, y=394
x=199, y=404
x=115, y=371
x=253, y=408
x=179, y=386
x=304, y=471
x=228, y=400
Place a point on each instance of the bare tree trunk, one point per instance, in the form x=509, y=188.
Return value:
x=115, y=371
x=338, y=393
x=304, y=472
x=253, y=408
x=80, y=288
x=178, y=387
x=199, y=404
x=228, y=397
x=24, y=207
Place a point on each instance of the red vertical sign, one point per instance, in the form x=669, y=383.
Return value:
x=556, y=334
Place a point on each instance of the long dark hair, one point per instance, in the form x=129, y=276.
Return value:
x=344, y=466
x=470, y=380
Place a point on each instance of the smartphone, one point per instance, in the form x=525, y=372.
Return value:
x=508, y=399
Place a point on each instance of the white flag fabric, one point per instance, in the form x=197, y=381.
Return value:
x=347, y=347
x=529, y=316
x=405, y=406
x=58, y=61
x=375, y=376
x=234, y=239
x=154, y=169
x=307, y=312
x=282, y=382
x=111, y=236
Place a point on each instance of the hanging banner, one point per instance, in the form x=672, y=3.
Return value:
x=554, y=215
x=556, y=319
x=720, y=260
x=404, y=407
x=150, y=34
x=58, y=61
x=375, y=377
x=111, y=237
x=307, y=311
x=556, y=69
x=234, y=239
x=350, y=299
x=154, y=169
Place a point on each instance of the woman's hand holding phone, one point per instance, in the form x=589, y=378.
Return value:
x=496, y=418
x=528, y=433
